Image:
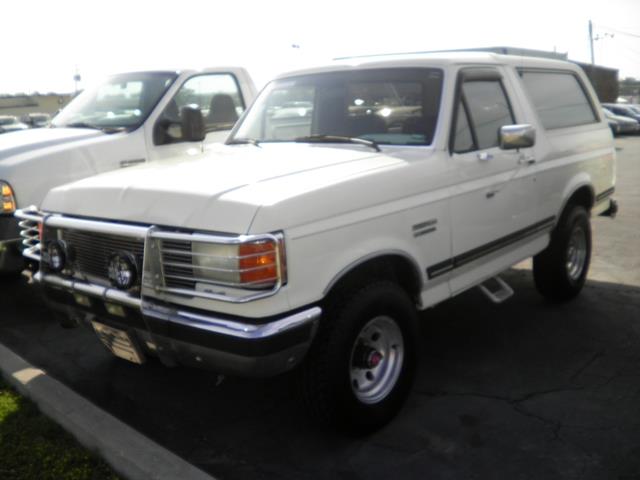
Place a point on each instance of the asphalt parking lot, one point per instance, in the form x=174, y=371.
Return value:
x=522, y=390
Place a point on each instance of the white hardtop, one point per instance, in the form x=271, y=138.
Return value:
x=179, y=71
x=433, y=59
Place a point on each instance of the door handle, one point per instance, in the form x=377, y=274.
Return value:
x=526, y=160
x=130, y=163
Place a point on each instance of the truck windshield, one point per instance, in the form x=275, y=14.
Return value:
x=8, y=120
x=120, y=102
x=397, y=106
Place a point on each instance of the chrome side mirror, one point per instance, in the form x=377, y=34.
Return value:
x=513, y=137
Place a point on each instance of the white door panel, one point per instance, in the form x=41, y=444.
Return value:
x=494, y=198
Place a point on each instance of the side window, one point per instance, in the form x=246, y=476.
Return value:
x=489, y=110
x=463, y=139
x=482, y=110
x=218, y=97
x=559, y=99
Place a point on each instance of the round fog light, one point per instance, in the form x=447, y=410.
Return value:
x=56, y=255
x=122, y=270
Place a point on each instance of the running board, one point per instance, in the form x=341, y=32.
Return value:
x=496, y=289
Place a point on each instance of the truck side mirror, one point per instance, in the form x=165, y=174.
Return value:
x=192, y=124
x=513, y=137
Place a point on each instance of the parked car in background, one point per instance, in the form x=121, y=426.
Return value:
x=36, y=120
x=620, y=124
x=10, y=123
x=613, y=125
x=348, y=197
x=128, y=119
x=622, y=110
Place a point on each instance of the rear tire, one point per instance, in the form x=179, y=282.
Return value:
x=360, y=368
x=560, y=270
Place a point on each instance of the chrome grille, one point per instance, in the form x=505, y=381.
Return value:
x=177, y=264
x=91, y=251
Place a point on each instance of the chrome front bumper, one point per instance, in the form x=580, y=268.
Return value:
x=241, y=346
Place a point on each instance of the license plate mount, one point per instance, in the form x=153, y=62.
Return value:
x=118, y=342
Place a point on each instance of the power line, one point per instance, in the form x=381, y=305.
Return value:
x=621, y=32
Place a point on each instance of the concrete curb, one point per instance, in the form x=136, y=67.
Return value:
x=129, y=453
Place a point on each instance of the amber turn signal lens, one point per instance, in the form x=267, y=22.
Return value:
x=7, y=200
x=258, y=262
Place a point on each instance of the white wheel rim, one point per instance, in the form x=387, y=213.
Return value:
x=376, y=360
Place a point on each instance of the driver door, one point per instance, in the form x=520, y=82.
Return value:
x=493, y=202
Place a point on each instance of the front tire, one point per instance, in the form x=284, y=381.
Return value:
x=361, y=365
x=560, y=270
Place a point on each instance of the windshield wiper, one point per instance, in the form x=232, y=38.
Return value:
x=338, y=139
x=244, y=141
x=94, y=127
x=81, y=125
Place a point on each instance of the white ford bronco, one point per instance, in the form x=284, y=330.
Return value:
x=127, y=119
x=346, y=199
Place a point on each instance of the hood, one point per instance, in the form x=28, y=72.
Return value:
x=219, y=190
x=622, y=119
x=14, y=127
x=32, y=140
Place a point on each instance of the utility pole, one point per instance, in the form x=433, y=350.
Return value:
x=76, y=79
x=591, y=41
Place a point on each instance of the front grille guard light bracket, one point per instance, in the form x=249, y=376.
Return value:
x=153, y=278
x=30, y=223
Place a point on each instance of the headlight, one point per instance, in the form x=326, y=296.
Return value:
x=8, y=198
x=259, y=264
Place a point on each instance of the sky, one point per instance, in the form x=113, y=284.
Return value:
x=47, y=41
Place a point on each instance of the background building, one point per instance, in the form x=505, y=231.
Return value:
x=630, y=90
x=37, y=103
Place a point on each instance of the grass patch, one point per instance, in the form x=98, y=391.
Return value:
x=34, y=447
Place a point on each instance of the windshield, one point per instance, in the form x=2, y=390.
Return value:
x=396, y=106
x=8, y=120
x=122, y=101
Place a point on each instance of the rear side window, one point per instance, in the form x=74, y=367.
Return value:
x=559, y=99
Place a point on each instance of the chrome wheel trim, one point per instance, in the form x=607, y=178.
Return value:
x=576, y=253
x=371, y=385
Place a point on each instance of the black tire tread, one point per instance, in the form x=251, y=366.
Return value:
x=549, y=271
x=317, y=376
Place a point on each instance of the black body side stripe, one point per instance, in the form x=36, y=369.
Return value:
x=605, y=194
x=468, y=257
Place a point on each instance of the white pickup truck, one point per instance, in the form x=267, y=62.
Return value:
x=348, y=198
x=129, y=118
